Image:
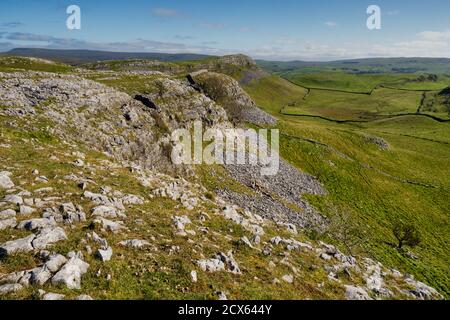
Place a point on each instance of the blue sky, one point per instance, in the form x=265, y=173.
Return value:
x=268, y=29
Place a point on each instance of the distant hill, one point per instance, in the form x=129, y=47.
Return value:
x=86, y=56
x=364, y=66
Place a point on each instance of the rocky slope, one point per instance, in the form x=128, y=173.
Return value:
x=91, y=207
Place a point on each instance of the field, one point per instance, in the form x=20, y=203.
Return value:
x=331, y=135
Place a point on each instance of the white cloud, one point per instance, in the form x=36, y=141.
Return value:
x=435, y=35
x=331, y=24
x=424, y=44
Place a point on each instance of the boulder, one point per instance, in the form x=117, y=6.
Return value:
x=288, y=278
x=26, y=210
x=10, y=288
x=36, y=224
x=40, y=275
x=71, y=273
x=356, y=293
x=19, y=245
x=55, y=262
x=53, y=296
x=229, y=261
x=14, y=199
x=48, y=236
x=135, y=243
x=110, y=226
x=7, y=214
x=104, y=254
x=211, y=265
x=8, y=223
x=5, y=181
x=107, y=212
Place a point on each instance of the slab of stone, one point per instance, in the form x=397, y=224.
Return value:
x=19, y=245
x=5, y=181
x=48, y=236
x=71, y=273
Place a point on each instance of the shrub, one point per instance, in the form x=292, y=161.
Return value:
x=406, y=235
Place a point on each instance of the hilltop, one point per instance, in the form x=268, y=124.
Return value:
x=85, y=56
x=364, y=66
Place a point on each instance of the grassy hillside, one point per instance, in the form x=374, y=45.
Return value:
x=365, y=83
x=11, y=64
x=85, y=56
x=409, y=181
x=387, y=169
x=364, y=66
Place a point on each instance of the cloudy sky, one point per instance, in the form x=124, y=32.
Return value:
x=266, y=29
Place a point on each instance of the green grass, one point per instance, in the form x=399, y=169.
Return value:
x=337, y=80
x=375, y=187
x=274, y=93
x=159, y=272
x=348, y=106
x=130, y=84
x=12, y=64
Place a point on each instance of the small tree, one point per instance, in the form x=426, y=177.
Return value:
x=342, y=227
x=406, y=235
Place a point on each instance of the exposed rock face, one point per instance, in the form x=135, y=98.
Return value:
x=237, y=60
x=227, y=92
x=77, y=107
x=178, y=104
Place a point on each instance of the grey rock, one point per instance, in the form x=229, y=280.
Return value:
x=104, y=254
x=40, y=275
x=14, y=199
x=7, y=214
x=36, y=224
x=110, y=226
x=19, y=245
x=99, y=240
x=107, y=212
x=422, y=291
x=5, y=181
x=26, y=210
x=356, y=293
x=180, y=224
x=53, y=296
x=84, y=297
x=8, y=223
x=211, y=265
x=55, y=262
x=131, y=199
x=71, y=273
x=222, y=296
x=229, y=261
x=194, y=277
x=10, y=288
x=135, y=243
x=288, y=278
x=48, y=236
